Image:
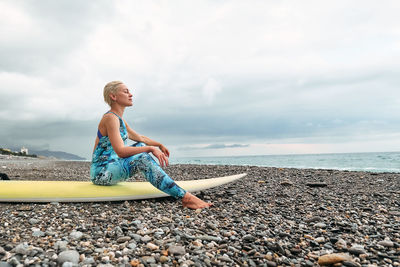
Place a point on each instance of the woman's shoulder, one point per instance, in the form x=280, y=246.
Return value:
x=109, y=118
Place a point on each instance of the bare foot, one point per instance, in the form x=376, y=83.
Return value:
x=192, y=202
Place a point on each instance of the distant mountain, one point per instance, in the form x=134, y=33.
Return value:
x=56, y=154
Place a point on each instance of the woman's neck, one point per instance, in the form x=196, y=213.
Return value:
x=118, y=110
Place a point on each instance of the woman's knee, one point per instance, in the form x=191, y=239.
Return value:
x=145, y=158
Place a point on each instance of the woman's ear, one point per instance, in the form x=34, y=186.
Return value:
x=113, y=97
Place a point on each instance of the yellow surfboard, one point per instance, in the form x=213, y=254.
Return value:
x=74, y=191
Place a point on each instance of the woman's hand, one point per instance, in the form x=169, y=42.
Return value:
x=162, y=158
x=164, y=150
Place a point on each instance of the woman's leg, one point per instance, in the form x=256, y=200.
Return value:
x=109, y=174
x=154, y=174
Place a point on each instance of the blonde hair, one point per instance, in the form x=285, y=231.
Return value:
x=110, y=88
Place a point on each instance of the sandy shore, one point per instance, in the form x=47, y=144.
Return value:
x=273, y=217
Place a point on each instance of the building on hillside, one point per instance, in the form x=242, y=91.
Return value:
x=24, y=150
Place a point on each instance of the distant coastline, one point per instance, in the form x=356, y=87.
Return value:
x=8, y=152
x=47, y=154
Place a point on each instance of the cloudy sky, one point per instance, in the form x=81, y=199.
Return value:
x=208, y=77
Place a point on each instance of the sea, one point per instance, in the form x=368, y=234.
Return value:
x=368, y=162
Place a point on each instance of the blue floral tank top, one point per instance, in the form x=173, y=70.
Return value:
x=104, y=153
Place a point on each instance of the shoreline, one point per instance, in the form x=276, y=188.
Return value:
x=54, y=162
x=272, y=217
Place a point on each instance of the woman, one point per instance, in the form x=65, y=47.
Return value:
x=113, y=161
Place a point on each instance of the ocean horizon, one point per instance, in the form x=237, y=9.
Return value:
x=380, y=162
x=360, y=161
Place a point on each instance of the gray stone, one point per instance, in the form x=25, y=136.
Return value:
x=313, y=219
x=136, y=237
x=209, y=238
x=357, y=250
x=340, y=244
x=33, y=221
x=22, y=249
x=14, y=261
x=320, y=225
x=38, y=233
x=88, y=260
x=76, y=235
x=224, y=258
x=351, y=264
x=286, y=182
x=60, y=245
x=68, y=256
x=5, y=264
x=146, y=239
x=211, y=225
x=386, y=243
x=149, y=259
x=177, y=250
x=132, y=245
x=123, y=239
x=249, y=238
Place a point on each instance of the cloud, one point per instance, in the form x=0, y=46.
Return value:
x=245, y=73
x=38, y=37
x=210, y=89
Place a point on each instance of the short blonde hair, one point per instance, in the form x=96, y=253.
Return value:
x=110, y=88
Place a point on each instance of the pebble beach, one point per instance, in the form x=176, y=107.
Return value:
x=271, y=217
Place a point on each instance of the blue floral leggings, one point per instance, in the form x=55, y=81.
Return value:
x=121, y=169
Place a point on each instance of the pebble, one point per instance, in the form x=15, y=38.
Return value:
x=176, y=250
x=320, y=225
x=152, y=246
x=351, y=264
x=33, y=221
x=286, y=182
x=340, y=244
x=123, y=239
x=38, y=233
x=164, y=259
x=149, y=259
x=22, y=249
x=357, y=250
x=146, y=239
x=386, y=243
x=76, y=235
x=60, y=245
x=313, y=219
x=333, y=258
x=68, y=256
x=316, y=184
x=255, y=221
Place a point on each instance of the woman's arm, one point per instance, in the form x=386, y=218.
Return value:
x=141, y=138
x=151, y=142
x=112, y=125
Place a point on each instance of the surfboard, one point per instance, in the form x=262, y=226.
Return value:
x=76, y=191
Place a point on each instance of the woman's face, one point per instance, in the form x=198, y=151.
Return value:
x=123, y=96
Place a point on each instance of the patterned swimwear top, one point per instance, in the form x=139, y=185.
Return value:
x=104, y=152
